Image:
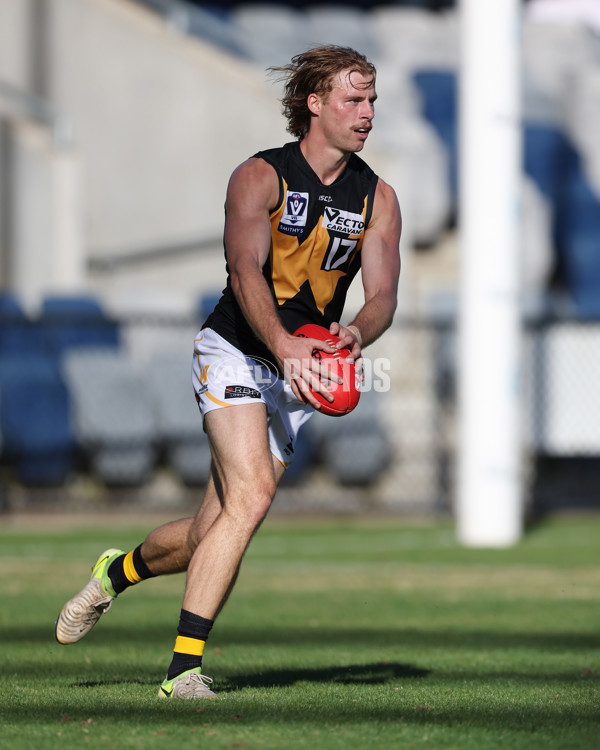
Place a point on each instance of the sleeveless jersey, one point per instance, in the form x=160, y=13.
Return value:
x=317, y=233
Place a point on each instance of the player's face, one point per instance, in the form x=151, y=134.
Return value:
x=346, y=113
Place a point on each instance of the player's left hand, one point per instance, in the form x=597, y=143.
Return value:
x=348, y=340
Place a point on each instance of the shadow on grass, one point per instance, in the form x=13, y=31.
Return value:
x=382, y=700
x=124, y=694
x=354, y=674
x=161, y=636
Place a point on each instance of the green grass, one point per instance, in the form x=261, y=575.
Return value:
x=339, y=634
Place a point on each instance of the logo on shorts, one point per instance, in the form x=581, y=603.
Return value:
x=293, y=219
x=289, y=448
x=241, y=372
x=202, y=380
x=241, y=391
x=345, y=222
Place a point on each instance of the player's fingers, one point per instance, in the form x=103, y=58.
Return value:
x=355, y=352
x=297, y=391
x=298, y=374
x=319, y=384
x=314, y=379
x=303, y=392
x=359, y=369
x=322, y=345
x=326, y=372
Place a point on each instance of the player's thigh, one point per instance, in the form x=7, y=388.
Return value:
x=242, y=459
x=212, y=505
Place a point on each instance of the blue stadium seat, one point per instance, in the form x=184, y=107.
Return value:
x=438, y=92
x=551, y=160
x=581, y=244
x=547, y=158
x=74, y=321
x=18, y=334
x=9, y=304
x=35, y=420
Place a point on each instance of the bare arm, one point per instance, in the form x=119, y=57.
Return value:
x=252, y=192
x=380, y=273
x=253, y=189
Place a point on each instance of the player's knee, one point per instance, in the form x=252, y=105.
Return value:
x=261, y=508
x=251, y=507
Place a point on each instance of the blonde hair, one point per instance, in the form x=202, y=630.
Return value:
x=313, y=72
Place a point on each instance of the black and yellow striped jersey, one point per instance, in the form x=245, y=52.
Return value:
x=317, y=233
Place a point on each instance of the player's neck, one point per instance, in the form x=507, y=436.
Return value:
x=326, y=162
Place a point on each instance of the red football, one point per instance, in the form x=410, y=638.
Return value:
x=346, y=394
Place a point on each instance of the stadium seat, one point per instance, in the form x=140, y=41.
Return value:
x=437, y=89
x=356, y=448
x=553, y=58
x=179, y=423
x=416, y=161
x=341, y=24
x=35, y=420
x=191, y=461
x=18, y=333
x=359, y=458
x=556, y=167
x=422, y=162
x=152, y=320
x=76, y=321
x=414, y=38
x=9, y=304
x=269, y=33
x=583, y=112
x=548, y=158
x=537, y=256
x=580, y=244
x=114, y=419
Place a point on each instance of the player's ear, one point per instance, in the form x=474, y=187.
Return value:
x=313, y=103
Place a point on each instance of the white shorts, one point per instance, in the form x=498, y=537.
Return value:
x=223, y=376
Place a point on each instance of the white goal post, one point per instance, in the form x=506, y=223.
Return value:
x=489, y=503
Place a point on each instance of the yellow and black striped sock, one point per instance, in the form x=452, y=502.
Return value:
x=128, y=570
x=193, y=633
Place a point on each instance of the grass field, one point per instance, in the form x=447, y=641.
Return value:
x=374, y=634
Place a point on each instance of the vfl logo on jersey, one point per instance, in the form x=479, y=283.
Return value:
x=344, y=222
x=293, y=219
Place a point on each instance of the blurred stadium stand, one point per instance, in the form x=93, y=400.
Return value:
x=76, y=321
x=94, y=368
x=179, y=424
x=113, y=416
x=37, y=436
